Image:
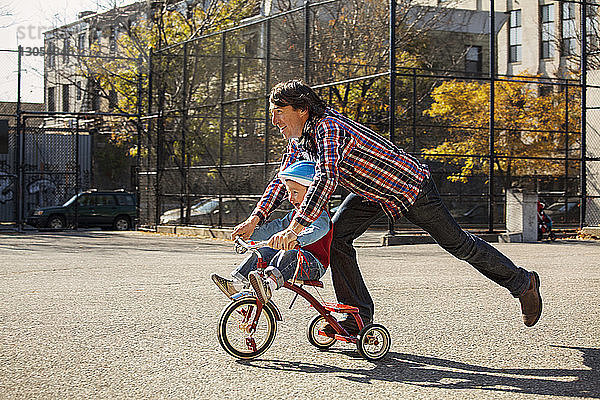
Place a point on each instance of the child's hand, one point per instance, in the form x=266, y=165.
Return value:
x=284, y=240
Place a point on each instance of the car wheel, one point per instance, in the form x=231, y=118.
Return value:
x=56, y=222
x=122, y=223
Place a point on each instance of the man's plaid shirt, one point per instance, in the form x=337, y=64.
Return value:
x=349, y=154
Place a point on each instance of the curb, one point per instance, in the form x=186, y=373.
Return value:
x=591, y=231
x=383, y=240
x=200, y=231
x=402, y=239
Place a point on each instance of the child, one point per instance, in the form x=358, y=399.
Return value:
x=314, y=240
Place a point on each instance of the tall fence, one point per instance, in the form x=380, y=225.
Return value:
x=51, y=150
x=210, y=148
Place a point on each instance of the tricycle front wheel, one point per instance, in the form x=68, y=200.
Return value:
x=235, y=329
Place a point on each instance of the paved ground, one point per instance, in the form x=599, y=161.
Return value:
x=133, y=315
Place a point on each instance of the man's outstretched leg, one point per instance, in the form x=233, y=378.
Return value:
x=429, y=213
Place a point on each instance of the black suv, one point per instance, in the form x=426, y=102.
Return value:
x=106, y=209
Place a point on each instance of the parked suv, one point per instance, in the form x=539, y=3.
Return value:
x=106, y=209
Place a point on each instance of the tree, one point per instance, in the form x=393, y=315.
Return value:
x=526, y=124
x=166, y=25
x=350, y=39
x=114, y=53
x=5, y=12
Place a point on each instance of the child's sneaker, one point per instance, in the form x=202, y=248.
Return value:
x=260, y=286
x=225, y=285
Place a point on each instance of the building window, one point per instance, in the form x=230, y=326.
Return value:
x=546, y=90
x=65, y=98
x=515, y=33
x=473, y=60
x=592, y=26
x=112, y=99
x=81, y=43
x=94, y=95
x=50, y=99
x=569, y=33
x=78, y=90
x=4, y=136
x=97, y=36
x=547, y=28
x=112, y=40
x=51, y=54
x=66, y=50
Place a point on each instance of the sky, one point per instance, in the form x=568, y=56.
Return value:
x=25, y=27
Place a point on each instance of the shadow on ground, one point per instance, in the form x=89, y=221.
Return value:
x=448, y=374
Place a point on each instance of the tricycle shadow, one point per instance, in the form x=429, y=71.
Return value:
x=442, y=373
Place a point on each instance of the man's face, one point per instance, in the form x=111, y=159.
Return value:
x=289, y=120
x=296, y=192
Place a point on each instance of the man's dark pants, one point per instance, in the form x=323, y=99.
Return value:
x=356, y=214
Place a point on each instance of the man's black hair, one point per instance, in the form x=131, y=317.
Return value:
x=299, y=95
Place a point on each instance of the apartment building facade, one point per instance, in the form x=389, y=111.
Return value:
x=74, y=51
x=540, y=36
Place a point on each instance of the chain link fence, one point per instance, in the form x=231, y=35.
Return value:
x=592, y=110
x=8, y=170
x=210, y=148
x=205, y=148
x=74, y=138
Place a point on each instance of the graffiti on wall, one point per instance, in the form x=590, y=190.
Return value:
x=6, y=191
x=41, y=188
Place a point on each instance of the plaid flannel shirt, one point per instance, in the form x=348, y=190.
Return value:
x=352, y=155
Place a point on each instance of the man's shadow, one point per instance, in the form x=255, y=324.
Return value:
x=448, y=374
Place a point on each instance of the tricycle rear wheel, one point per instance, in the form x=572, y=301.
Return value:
x=373, y=342
x=319, y=341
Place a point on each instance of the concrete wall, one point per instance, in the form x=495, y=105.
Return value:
x=521, y=214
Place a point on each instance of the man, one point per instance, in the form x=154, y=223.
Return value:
x=383, y=179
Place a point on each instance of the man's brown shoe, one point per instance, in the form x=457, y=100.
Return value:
x=531, y=301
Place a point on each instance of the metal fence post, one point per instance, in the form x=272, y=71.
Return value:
x=583, y=113
x=306, y=41
x=566, y=200
x=267, y=92
x=238, y=88
x=414, y=110
x=221, y=126
x=138, y=155
x=159, y=144
x=20, y=143
x=491, y=201
x=148, y=137
x=184, y=199
x=76, y=172
x=392, y=97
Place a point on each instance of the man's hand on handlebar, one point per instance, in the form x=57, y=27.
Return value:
x=284, y=240
x=246, y=228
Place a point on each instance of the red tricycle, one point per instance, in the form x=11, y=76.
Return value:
x=247, y=328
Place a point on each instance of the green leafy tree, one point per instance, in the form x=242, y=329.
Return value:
x=526, y=124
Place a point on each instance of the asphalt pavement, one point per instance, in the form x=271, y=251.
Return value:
x=101, y=315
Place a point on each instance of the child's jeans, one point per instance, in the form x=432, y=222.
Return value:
x=282, y=264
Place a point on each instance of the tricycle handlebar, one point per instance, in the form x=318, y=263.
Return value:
x=248, y=245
